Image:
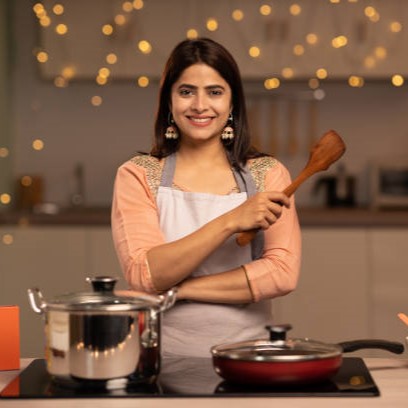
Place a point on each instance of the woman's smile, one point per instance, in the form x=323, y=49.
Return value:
x=200, y=121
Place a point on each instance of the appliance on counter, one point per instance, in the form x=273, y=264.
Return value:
x=389, y=183
x=188, y=377
x=339, y=188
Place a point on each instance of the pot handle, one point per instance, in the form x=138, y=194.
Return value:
x=35, y=294
x=391, y=346
x=104, y=284
x=168, y=299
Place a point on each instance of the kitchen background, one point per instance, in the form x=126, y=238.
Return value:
x=77, y=100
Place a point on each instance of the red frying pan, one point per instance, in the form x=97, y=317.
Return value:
x=281, y=361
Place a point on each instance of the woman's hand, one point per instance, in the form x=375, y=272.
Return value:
x=259, y=211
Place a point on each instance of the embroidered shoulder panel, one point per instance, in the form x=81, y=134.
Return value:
x=153, y=170
x=259, y=167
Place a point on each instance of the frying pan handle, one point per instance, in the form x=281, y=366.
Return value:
x=391, y=346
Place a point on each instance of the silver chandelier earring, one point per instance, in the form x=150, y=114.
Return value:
x=171, y=131
x=228, y=132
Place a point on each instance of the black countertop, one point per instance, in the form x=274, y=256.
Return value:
x=309, y=217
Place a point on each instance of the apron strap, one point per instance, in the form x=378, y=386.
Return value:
x=168, y=171
x=245, y=183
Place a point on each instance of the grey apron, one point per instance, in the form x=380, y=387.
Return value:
x=191, y=328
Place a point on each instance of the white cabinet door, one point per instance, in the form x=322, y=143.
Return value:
x=101, y=255
x=389, y=265
x=50, y=258
x=332, y=298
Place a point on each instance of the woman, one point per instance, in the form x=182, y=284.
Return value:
x=176, y=212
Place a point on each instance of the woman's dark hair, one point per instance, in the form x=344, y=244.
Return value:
x=213, y=54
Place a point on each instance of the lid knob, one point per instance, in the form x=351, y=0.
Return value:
x=104, y=284
x=278, y=331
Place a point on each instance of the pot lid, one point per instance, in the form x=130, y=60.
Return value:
x=102, y=298
x=277, y=348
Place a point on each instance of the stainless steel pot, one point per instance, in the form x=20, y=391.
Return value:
x=100, y=336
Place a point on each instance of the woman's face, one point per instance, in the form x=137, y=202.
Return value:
x=200, y=103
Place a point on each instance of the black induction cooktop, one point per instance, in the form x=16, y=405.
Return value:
x=189, y=377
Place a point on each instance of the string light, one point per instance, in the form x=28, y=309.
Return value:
x=107, y=29
x=5, y=198
x=61, y=29
x=271, y=83
x=212, y=24
x=313, y=83
x=4, y=152
x=254, y=51
x=380, y=52
x=42, y=57
x=58, y=9
x=311, y=38
x=60, y=82
x=356, y=81
x=237, y=15
x=298, y=49
x=138, y=4
x=120, y=20
x=127, y=6
x=397, y=80
x=368, y=62
x=101, y=80
x=321, y=73
x=7, y=239
x=26, y=181
x=38, y=144
x=104, y=72
x=68, y=72
x=319, y=94
x=143, y=81
x=265, y=9
x=192, y=34
x=145, y=47
x=295, y=9
x=395, y=27
x=111, y=58
x=45, y=21
x=96, y=100
x=339, y=41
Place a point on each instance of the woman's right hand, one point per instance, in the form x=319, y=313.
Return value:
x=258, y=212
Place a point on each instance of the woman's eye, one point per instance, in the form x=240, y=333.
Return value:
x=185, y=92
x=216, y=92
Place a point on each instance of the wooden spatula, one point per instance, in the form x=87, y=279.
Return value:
x=328, y=149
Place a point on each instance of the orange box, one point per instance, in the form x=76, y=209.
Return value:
x=9, y=338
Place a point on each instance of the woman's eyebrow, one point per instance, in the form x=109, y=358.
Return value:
x=189, y=86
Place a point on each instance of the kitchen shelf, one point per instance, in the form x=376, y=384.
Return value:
x=309, y=217
x=352, y=217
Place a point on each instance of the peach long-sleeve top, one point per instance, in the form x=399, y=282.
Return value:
x=136, y=229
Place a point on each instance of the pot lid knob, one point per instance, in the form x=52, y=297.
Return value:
x=104, y=284
x=278, y=331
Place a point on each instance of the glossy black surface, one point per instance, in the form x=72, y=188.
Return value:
x=187, y=377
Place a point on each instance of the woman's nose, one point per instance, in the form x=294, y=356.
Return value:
x=199, y=102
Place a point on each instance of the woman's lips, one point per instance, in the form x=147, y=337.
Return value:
x=200, y=121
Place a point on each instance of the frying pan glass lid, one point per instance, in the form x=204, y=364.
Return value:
x=277, y=348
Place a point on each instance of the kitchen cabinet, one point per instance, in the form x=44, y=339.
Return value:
x=55, y=259
x=353, y=283
x=389, y=284
x=332, y=298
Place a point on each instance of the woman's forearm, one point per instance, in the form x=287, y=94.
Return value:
x=226, y=287
x=173, y=262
